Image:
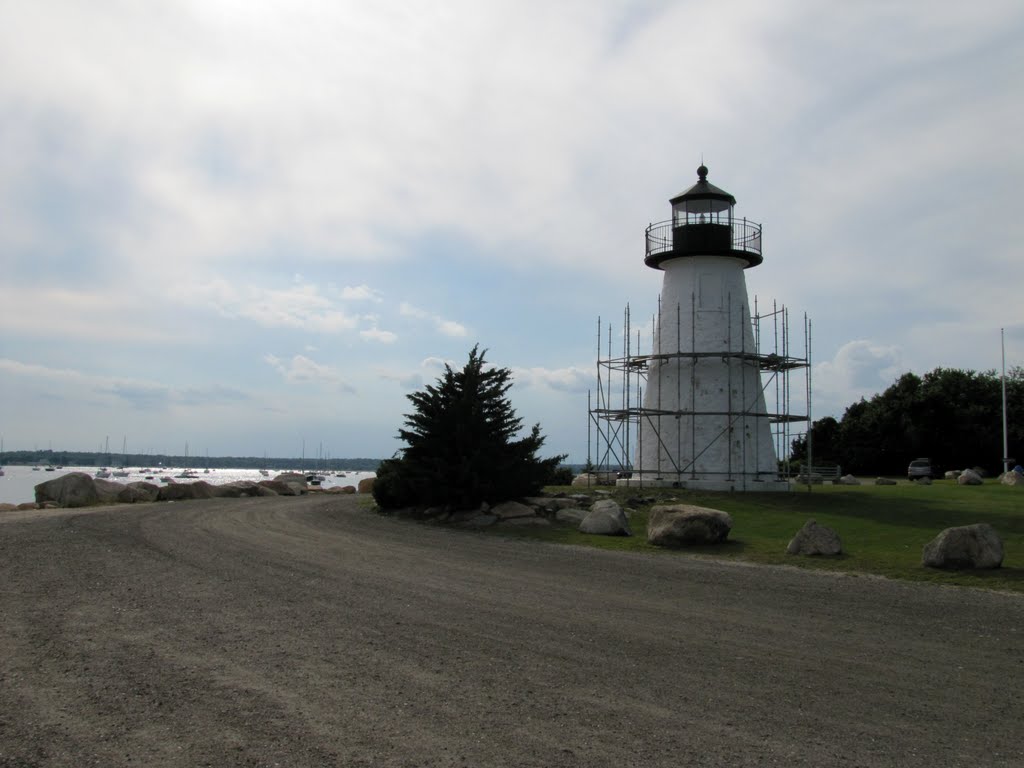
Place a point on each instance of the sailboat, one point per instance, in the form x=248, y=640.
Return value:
x=123, y=471
x=187, y=472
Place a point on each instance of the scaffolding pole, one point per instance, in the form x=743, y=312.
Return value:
x=616, y=417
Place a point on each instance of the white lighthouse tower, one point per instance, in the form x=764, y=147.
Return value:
x=704, y=423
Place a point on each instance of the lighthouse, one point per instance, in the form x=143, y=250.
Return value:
x=704, y=423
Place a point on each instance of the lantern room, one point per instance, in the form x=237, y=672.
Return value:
x=703, y=224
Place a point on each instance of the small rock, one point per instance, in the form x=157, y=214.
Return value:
x=969, y=477
x=814, y=539
x=606, y=518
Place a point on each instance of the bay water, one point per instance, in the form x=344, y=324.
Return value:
x=17, y=485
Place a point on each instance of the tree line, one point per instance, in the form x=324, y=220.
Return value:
x=952, y=416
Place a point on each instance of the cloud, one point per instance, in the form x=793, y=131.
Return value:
x=570, y=379
x=859, y=369
x=376, y=334
x=451, y=328
x=302, y=370
x=59, y=383
x=428, y=370
x=301, y=306
x=444, y=327
x=360, y=293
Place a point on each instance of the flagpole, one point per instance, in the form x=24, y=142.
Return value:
x=1006, y=449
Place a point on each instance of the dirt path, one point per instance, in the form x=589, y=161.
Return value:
x=310, y=632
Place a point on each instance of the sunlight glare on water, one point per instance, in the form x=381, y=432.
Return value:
x=17, y=485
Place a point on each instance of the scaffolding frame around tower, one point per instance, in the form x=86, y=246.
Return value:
x=616, y=409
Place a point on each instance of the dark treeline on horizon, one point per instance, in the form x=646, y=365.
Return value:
x=953, y=417
x=111, y=459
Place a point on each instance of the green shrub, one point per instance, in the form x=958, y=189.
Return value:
x=461, y=447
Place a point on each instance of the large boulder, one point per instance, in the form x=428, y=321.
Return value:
x=108, y=491
x=510, y=510
x=675, y=525
x=967, y=546
x=365, y=485
x=138, y=492
x=292, y=478
x=951, y=474
x=847, y=480
x=238, y=489
x=814, y=539
x=550, y=504
x=285, y=487
x=606, y=518
x=584, y=480
x=1012, y=478
x=75, y=489
x=884, y=481
x=571, y=515
x=183, y=491
x=969, y=477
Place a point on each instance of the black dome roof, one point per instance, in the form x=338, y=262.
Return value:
x=703, y=190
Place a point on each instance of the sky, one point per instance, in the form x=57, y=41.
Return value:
x=243, y=227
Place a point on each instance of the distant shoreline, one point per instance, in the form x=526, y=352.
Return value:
x=114, y=459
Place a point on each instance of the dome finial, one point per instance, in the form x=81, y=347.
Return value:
x=702, y=171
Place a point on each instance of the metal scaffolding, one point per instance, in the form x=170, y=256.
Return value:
x=616, y=409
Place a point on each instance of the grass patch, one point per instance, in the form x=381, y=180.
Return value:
x=883, y=527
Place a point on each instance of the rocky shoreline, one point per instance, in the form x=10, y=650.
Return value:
x=78, y=489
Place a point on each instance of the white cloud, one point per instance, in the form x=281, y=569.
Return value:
x=451, y=328
x=69, y=384
x=300, y=306
x=303, y=370
x=376, y=334
x=410, y=311
x=444, y=327
x=569, y=379
x=859, y=369
x=360, y=293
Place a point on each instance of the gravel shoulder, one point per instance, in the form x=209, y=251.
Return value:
x=310, y=632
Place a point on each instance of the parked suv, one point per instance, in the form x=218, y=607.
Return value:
x=920, y=468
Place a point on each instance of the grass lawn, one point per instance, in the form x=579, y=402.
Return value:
x=883, y=527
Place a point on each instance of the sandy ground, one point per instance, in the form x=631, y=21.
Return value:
x=311, y=632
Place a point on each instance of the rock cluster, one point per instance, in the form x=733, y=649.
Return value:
x=77, y=489
x=596, y=515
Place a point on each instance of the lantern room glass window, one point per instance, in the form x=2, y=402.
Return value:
x=688, y=212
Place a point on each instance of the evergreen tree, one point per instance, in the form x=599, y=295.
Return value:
x=461, y=445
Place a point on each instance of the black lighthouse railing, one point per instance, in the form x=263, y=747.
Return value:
x=666, y=240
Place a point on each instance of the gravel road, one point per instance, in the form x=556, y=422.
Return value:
x=310, y=632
